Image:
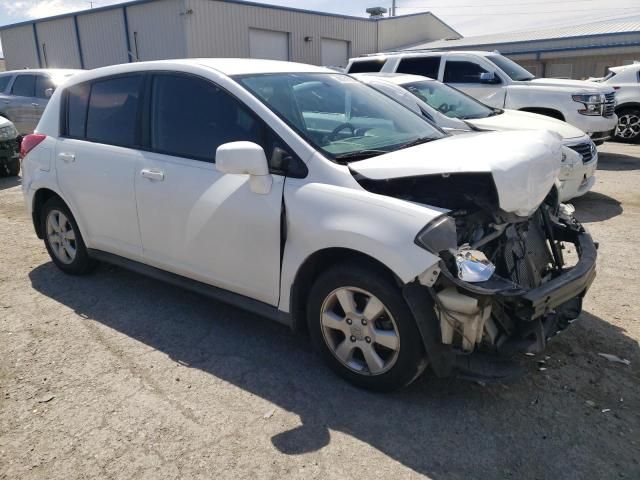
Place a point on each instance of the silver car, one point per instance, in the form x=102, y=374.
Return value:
x=25, y=93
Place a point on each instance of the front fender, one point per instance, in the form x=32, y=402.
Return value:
x=321, y=216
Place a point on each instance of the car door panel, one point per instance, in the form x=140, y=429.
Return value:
x=97, y=180
x=210, y=226
x=194, y=220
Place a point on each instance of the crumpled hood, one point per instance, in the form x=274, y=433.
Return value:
x=577, y=85
x=516, y=120
x=524, y=165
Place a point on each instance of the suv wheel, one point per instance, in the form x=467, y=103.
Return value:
x=628, y=128
x=364, y=330
x=63, y=240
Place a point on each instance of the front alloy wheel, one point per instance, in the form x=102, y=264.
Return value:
x=361, y=325
x=360, y=331
x=628, y=128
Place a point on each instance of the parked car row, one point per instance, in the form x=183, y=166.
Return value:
x=307, y=196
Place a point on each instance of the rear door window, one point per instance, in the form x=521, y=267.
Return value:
x=113, y=110
x=24, y=86
x=424, y=66
x=461, y=71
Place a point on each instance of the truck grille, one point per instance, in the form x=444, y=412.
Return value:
x=583, y=149
x=609, y=106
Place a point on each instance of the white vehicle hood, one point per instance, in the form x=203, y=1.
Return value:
x=516, y=120
x=4, y=122
x=524, y=165
x=577, y=85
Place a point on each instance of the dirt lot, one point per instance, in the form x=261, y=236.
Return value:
x=117, y=376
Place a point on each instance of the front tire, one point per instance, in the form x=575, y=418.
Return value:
x=63, y=239
x=628, y=128
x=363, y=329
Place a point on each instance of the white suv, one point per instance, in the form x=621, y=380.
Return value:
x=499, y=82
x=305, y=196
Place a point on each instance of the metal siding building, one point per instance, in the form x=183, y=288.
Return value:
x=574, y=52
x=162, y=29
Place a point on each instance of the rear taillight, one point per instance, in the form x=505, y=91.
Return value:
x=29, y=142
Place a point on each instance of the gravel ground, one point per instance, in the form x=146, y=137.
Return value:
x=117, y=376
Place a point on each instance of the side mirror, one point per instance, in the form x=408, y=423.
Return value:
x=48, y=92
x=489, y=78
x=245, y=158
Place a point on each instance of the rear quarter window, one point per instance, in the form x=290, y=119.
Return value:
x=4, y=82
x=367, y=66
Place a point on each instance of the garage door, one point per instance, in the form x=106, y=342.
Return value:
x=335, y=53
x=268, y=44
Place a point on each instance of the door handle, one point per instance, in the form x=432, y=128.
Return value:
x=153, y=174
x=35, y=104
x=67, y=157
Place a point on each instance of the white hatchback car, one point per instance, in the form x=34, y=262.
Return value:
x=452, y=109
x=305, y=196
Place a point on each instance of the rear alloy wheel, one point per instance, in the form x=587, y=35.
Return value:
x=628, y=128
x=363, y=328
x=63, y=239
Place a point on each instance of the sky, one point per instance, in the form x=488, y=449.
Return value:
x=469, y=17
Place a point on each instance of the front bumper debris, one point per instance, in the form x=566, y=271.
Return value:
x=537, y=314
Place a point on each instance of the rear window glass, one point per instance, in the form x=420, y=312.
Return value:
x=424, y=66
x=113, y=110
x=24, y=86
x=366, y=66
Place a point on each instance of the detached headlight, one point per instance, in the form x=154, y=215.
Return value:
x=592, y=103
x=8, y=132
x=439, y=234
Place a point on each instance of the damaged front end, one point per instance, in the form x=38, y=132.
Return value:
x=507, y=283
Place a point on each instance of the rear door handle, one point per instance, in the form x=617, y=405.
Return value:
x=67, y=157
x=7, y=102
x=153, y=174
x=35, y=104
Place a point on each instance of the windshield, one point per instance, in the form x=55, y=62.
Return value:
x=449, y=101
x=338, y=115
x=511, y=68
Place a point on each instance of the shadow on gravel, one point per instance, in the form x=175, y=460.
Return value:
x=596, y=207
x=617, y=162
x=445, y=429
x=9, y=182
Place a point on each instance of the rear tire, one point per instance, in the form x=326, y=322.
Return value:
x=363, y=329
x=628, y=128
x=63, y=239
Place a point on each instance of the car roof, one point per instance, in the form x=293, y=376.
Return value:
x=622, y=68
x=226, y=66
x=424, y=53
x=397, y=78
x=51, y=71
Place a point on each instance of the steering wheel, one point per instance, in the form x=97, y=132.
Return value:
x=339, y=128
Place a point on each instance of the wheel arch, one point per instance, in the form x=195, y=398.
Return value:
x=42, y=196
x=627, y=105
x=319, y=262
x=548, y=112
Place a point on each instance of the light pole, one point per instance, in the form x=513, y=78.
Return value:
x=393, y=8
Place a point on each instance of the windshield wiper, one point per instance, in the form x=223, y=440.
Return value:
x=417, y=141
x=359, y=155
